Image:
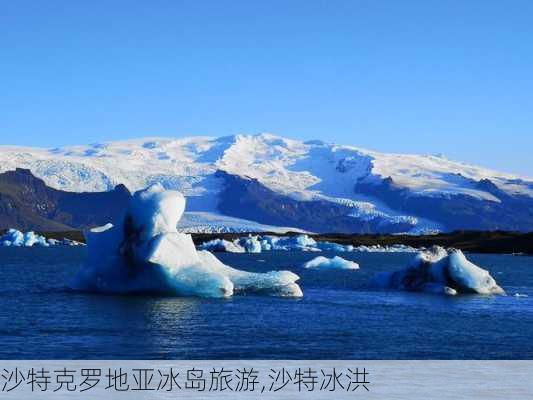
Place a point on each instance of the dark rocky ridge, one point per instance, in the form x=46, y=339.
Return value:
x=249, y=199
x=458, y=212
x=26, y=203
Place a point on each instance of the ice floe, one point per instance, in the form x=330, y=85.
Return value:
x=336, y=262
x=259, y=243
x=64, y=242
x=15, y=238
x=144, y=252
x=440, y=271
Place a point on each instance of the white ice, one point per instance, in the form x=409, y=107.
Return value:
x=223, y=246
x=303, y=242
x=17, y=238
x=440, y=271
x=336, y=262
x=144, y=252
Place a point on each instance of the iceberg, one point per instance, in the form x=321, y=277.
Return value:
x=64, y=242
x=222, y=246
x=288, y=243
x=395, y=248
x=15, y=238
x=303, y=242
x=258, y=244
x=250, y=244
x=335, y=247
x=144, y=252
x=440, y=271
x=336, y=262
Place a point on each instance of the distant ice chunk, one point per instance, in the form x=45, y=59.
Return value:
x=330, y=246
x=395, y=248
x=289, y=243
x=440, y=271
x=64, y=242
x=144, y=252
x=258, y=243
x=221, y=245
x=250, y=244
x=303, y=242
x=336, y=262
x=17, y=238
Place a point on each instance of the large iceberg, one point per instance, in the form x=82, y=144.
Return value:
x=144, y=252
x=336, y=262
x=440, y=271
x=303, y=242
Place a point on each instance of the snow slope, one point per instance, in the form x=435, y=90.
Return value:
x=311, y=170
x=209, y=222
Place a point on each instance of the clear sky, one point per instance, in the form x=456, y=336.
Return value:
x=428, y=76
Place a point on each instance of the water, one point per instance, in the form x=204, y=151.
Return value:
x=338, y=318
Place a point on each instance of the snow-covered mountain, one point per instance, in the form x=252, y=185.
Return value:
x=278, y=181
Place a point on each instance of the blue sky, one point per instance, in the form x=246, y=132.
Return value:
x=452, y=77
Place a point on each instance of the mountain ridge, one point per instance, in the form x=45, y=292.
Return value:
x=370, y=191
x=27, y=203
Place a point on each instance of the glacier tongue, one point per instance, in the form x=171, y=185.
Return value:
x=145, y=253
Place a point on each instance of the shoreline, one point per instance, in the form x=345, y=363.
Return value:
x=497, y=242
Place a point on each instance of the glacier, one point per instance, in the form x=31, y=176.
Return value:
x=215, y=222
x=440, y=271
x=144, y=252
x=369, y=186
x=324, y=263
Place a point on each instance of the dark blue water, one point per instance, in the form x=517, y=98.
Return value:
x=339, y=316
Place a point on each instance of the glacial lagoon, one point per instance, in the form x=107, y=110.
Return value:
x=339, y=316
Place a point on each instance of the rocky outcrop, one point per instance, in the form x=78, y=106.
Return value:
x=27, y=203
